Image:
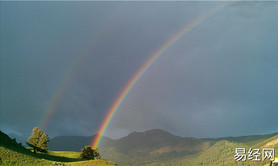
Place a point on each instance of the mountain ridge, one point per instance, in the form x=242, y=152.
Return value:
x=165, y=135
x=158, y=146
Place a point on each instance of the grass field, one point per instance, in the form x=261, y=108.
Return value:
x=12, y=157
x=12, y=153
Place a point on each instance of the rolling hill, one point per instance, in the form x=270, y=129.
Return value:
x=159, y=147
x=13, y=153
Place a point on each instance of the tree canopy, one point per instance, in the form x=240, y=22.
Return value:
x=38, y=140
x=89, y=153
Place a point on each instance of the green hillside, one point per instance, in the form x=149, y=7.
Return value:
x=221, y=153
x=12, y=153
x=178, y=151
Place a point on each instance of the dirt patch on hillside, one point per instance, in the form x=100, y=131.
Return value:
x=272, y=143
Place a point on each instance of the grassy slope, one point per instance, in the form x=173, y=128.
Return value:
x=222, y=153
x=12, y=153
x=12, y=157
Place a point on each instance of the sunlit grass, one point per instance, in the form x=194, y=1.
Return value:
x=12, y=157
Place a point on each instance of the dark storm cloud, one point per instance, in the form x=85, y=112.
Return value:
x=220, y=80
x=41, y=42
x=221, y=75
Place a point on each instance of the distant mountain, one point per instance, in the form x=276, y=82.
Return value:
x=72, y=143
x=152, y=145
x=158, y=147
x=157, y=142
x=152, y=142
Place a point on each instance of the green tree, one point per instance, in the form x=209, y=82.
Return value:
x=89, y=153
x=38, y=140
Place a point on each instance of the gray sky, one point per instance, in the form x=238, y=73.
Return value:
x=219, y=80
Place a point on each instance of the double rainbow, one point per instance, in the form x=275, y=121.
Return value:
x=143, y=69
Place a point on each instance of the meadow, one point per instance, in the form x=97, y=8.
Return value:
x=12, y=153
x=66, y=158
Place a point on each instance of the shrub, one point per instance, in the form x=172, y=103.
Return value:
x=90, y=154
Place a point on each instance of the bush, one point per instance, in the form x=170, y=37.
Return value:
x=90, y=154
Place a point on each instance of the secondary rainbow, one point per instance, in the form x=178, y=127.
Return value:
x=73, y=69
x=64, y=83
x=153, y=58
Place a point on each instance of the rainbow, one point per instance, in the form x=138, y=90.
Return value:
x=73, y=69
x=56, y=97
x=144, y=68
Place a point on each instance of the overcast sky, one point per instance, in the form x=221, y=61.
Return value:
x=219, y=80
